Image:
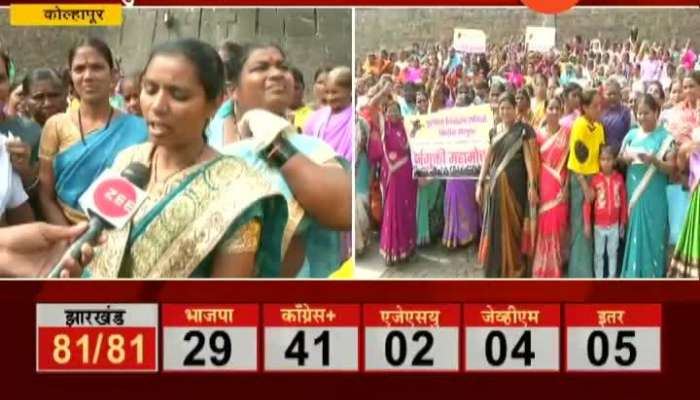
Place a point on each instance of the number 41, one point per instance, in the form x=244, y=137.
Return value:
x=297, y=348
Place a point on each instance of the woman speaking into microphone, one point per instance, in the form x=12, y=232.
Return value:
x=206, y=215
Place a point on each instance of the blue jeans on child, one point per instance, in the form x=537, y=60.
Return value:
x=606, y=237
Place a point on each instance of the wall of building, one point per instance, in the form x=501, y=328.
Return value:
x=311, y=37
x=397, y=28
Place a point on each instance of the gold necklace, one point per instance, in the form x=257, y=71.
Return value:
x=194, y=162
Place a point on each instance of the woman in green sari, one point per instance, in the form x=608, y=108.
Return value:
x=205, y=214
x=650, y=156
x=430, y=195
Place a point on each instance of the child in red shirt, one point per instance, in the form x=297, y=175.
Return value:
x=609, y=213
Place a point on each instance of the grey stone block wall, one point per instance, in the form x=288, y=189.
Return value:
x=397, y=28
x=311, y=37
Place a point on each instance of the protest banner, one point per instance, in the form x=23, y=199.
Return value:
x=539, y=38
x=451, y=143
x=469, y=41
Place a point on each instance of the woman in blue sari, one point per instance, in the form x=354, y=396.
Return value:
x=318, y=191
x=650, y=155
x=77, y=146
x=206, y=215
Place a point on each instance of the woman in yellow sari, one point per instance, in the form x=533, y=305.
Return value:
x=205, y=213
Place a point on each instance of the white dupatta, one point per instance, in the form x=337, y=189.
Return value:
x=10, y=182
x=649, y=174
x=5, y=175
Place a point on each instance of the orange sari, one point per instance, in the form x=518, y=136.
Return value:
x=553, y=218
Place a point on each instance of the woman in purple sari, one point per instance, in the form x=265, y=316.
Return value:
x=333, y=123
x=462, y=216
x=398, y=235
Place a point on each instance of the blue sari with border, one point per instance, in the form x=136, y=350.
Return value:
x=79, y=165
x=648, y=228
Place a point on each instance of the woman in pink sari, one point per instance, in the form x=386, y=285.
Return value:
x=553, y=219
x=413, y=73
x=398, y=235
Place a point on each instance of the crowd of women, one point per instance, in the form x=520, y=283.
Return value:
x=592, y=169
x=245, y=180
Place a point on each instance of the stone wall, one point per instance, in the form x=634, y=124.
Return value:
x=311, y=37
x=397, y=28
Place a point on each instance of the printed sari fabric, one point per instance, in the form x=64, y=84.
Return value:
x=553, y=218
x=647, y=230
x=77, y=163
x=508, y=230
x=323, y=250
x=222, y=205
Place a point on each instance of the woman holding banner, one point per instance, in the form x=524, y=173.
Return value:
x=462, y=216
x=507, y=190
x=430, y=194
x=77, y=146
x=398, y=232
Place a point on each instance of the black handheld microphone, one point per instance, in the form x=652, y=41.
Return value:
x=119, y=195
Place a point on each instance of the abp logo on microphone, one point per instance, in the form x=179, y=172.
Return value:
x=113, y=198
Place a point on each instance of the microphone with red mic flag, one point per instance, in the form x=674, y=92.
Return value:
x=111, y=202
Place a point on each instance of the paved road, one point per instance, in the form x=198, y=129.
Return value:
x=433, y=261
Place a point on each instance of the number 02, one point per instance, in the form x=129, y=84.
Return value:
x=419, y=360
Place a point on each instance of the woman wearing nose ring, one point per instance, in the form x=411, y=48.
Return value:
x=205, y=215
x=77, y=146
x=317, y=189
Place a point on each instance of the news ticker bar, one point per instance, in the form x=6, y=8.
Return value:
x=348, y=338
